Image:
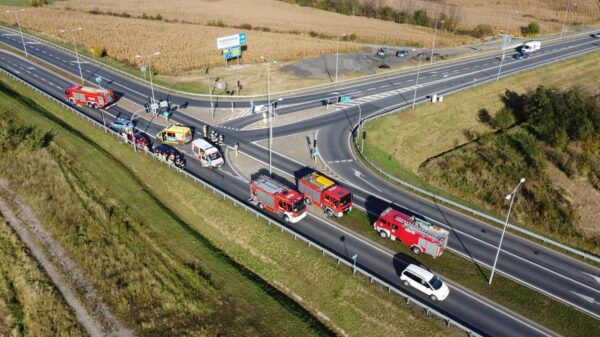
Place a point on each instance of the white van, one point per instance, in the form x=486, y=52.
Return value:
x=208, y=155
x=531, y=47
x=425, y=281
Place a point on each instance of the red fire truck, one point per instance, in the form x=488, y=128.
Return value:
x=269, y=194
x=92, y=97
x=419, y=235
x=323, y=192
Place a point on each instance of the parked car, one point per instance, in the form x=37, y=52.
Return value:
x=382, y=51
x=402, y=53
x=521, y=56
x=121, y=125
x=141, y=140
x=425, y=281
x=170, y=155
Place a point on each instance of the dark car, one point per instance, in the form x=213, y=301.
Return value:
x=141, y=140
x=521, y=56
x=402, y=53
x=596, y=35
x=170, y=155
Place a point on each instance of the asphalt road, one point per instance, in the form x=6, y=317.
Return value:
x=555, y=273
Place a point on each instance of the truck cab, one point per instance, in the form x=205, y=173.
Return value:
x=268, y=194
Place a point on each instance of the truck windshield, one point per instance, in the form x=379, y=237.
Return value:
x=299, y=206
x=436, y=283
x=214, y=156
x=345, y=200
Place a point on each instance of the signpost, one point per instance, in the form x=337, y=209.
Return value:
x=345, y=99
x=231, y=46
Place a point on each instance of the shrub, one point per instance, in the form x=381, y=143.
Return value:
x=482, y=30
x=420, y=18
x=503, y=119
x=532, y=28
x=98, y=51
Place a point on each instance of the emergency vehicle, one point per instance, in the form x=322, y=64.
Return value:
x=273, y=196
x=419, y=235
x=323, y=192
x=208, y=155
x=175, y=134
x=92, y=97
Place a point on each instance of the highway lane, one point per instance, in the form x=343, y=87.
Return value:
x=482, y=316
x=579, y=296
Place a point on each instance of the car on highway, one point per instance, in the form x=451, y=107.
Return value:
x=382, y=52
x=521, y=56
x=596, y=35
x=425, y=281
x=142, y=141
x=121, y=125
x=402, y=53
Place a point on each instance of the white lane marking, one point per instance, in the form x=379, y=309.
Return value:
x=359, y=176
x=593, y=276
x=122, y=86
x=589, y=299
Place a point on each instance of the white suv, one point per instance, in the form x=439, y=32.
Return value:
x=425, y=282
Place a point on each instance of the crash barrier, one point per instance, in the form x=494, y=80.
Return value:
x=324, y=86
x=394, y=109
x=216, y=191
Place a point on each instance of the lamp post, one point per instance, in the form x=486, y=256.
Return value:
x=210, y=90
x=270, y=109
x=434, y=35
x=148, y=57
x=417, y=83
x=510, y=196
x=337, y=52
x=562, y=31
x=504, y=46
x=19, y=25
x=72, y=31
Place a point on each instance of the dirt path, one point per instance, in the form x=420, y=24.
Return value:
x=54, y=259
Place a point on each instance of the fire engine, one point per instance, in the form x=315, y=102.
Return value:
x=323, y=192
x=92, y=97
x=273, y=196
x=419, y=235
x=207, y=153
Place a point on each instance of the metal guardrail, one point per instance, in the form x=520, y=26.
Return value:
x=324, y=251
x=332, y=86
x=472, y=211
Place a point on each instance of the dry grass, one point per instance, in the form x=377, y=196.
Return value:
x=29, y=303
x=191, y=45
x=549, y=13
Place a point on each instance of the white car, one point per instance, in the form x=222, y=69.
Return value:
x=596, y=35
x=425, y=281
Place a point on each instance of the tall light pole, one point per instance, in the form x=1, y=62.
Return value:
x=504, y=46
x=72, y=31
x=562, y=31
x=434, y=35
x=417, y=83
x=510, y=197
x=19, y=25
x=270, y=109
x=212, y=110
x=148, y=57
x=337, y=53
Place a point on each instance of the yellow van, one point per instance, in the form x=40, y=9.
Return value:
x=175, y=134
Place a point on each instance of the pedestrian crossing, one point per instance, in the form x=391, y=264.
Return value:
x=375, y=97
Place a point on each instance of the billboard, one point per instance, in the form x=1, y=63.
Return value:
x=231, y=41
x=231, y=53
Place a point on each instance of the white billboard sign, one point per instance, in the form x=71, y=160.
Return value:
x=228, y=41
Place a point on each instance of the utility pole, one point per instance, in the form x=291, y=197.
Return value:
x=337, y=52
x=147, y=58
x=434, y=35
x=19, y=25
x=72, y=31
x=417, y=83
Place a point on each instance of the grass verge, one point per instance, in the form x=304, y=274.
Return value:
x=165, y=254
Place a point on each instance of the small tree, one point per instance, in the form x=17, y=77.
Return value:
x=482, y=30
x=504, y=118
x=532, y=28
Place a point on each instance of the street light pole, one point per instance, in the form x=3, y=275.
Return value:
x=511, y=196
x=434, y=36
x=72, y=31
x=19, y=25
x=562, y=31
x=212, y=111
x=148, y=57
x=417, y=84
x=504, y=40
x=270, y=110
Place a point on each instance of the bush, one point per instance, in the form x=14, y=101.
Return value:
x=420, y=18
x=482, y=30
x=532, y=28
x=503, y=119
x=98, y=52
x=36, y=3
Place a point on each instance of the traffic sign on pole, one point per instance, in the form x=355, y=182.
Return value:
x=345, y=99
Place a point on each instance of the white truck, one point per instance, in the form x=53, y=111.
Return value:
x=531, y=47
x=208, y=154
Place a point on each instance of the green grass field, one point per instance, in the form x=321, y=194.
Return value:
x=400, y=143
x=170, y=258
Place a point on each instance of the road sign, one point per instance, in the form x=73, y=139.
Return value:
x=231, y=53
x=98, y=80
x=345, y=99
x=242, y=39
x=143, y=69
x=231, y=41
